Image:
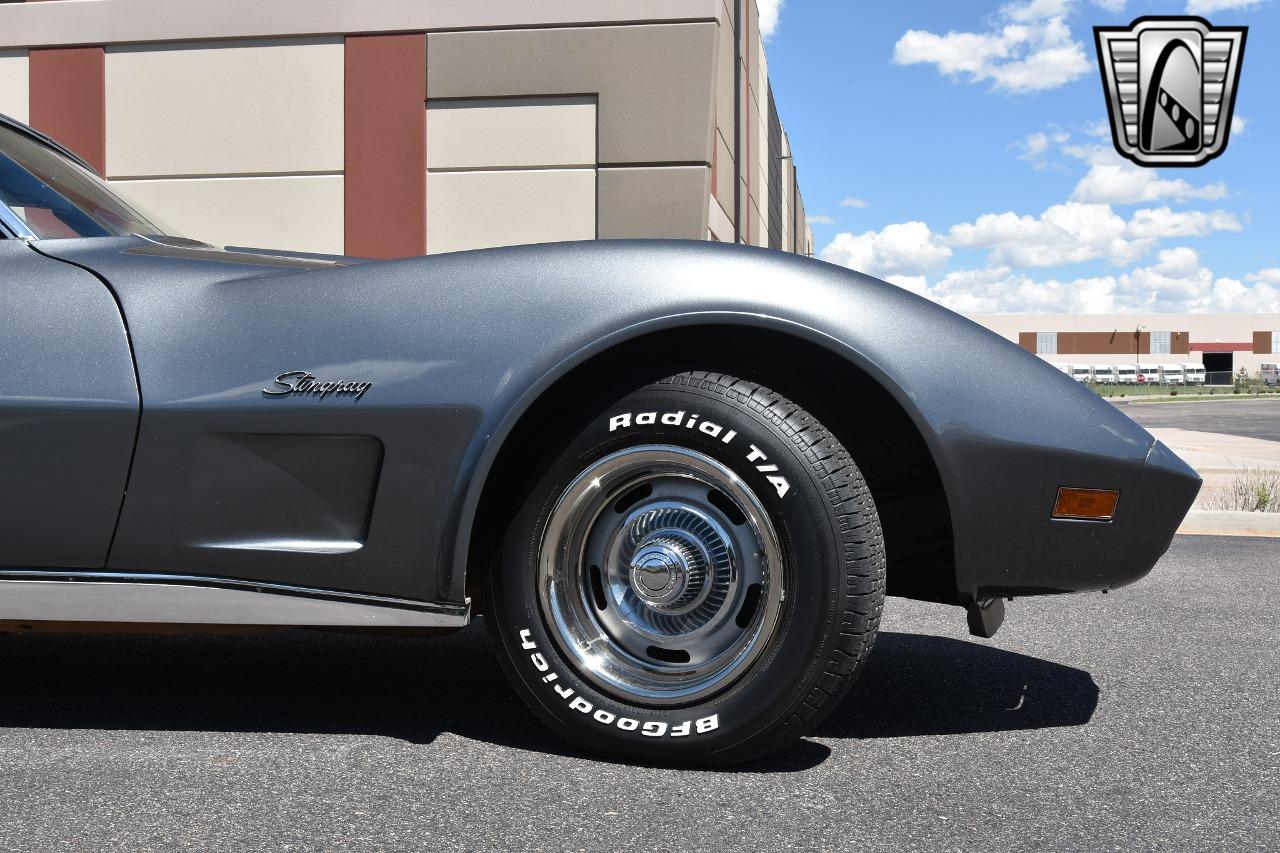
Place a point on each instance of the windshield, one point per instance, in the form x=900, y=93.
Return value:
x=53, y=196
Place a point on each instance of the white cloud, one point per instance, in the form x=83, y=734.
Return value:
x=1074, y=233
x=1037, y=143
x=1025, y=11
x=1176, y=283
x=1034, y=146
x=1114, y=180
x=1031, y=50
x=1067, y=233
x=905, y=249
x=820, y=219
x=1113, y=6
x=1270, y=275
x=1208, y=7
x=854, y=202
x=1238, y=124
x=989, y=292
x=1080, y=230
x=1161, y=222
x=1123, y=183
x=769, y=12
x=1064, y=234
x=1098, y=129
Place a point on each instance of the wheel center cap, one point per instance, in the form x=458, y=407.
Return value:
x=666, y=571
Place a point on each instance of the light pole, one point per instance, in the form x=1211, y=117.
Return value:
x=1137, y=340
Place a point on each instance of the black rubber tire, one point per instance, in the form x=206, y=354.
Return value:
x=832, y=546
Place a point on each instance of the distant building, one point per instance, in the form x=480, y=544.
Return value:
x=398, y=127
x=1223, y=343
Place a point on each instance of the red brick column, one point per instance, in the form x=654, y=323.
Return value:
x=385, y=207
x=68, y=99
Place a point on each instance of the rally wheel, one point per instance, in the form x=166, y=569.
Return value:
x=696, y=577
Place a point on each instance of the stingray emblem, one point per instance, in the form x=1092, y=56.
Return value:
x=303, y=382
x=1170, y=84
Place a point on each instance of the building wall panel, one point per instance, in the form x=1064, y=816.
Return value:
x=511, y=133
x=662, y=202
x=725, y=174
x=625, y=109
x=655, y=83
x=115, y=21
x=475, y=210
x=1116, y=342
x=208, y=108
x=725, y=80
x=302, y=213
x=719, y=223
x=15, y=84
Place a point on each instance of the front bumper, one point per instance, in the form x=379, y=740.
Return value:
x=1020, y=550
x=1168, y=488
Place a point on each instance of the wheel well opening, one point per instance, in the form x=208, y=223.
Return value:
x=882, y=438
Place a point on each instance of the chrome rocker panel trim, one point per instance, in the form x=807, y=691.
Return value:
x=38, y=596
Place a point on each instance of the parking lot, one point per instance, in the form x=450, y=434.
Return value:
x=1142, y=720
x=1258, y=418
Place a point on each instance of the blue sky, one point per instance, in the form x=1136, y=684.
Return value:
x=960, y=149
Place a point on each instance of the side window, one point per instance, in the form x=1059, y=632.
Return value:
x=52, y=196
x=43, y=211
x=1047, y=343
x=1160, y=343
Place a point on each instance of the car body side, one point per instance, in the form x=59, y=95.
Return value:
x=228, y=482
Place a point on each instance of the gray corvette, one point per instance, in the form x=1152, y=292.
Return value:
x=677, y=479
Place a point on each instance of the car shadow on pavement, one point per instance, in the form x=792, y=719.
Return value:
x=918, y=684
x=415, y=689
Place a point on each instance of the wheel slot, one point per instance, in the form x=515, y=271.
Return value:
x=668, y=655
x=749, y=605
x=632, y=497
x=597, y=589
x=721, y=501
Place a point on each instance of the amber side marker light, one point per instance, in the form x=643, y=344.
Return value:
x=1087, y=504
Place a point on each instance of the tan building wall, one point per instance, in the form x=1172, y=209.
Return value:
x=1250, y=340
x=15, y=84
x=253, y=164
x=533, y=160
x=750, y=172
x=562, y=120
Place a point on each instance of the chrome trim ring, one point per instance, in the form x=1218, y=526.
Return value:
x=660, y=575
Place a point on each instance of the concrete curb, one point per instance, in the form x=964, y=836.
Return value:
x=1204, y=522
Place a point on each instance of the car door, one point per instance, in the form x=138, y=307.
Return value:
x=68, y=412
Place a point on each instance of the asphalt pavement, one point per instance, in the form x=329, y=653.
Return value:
x=1147, y=719
x=1259, y=418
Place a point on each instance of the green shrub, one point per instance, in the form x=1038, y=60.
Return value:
x=1252, y=490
